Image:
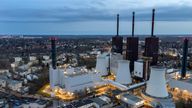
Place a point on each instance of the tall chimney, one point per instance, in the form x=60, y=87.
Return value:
x=53, y=52
x=153, y=19
x=184, y=59
x=117, y=24
x=117, y=41
x=133, y=24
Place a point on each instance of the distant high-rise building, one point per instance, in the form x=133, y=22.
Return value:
x=132, y=47
x=117, y=41
x=152, y=44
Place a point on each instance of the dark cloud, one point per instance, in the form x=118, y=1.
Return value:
x=91, y=13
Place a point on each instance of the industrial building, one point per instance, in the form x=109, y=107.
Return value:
x=152, y=44
x=131, y=101
x=151, y=49
x=76, y=79
x=132, y=46
x=80, y=81
x=139, y=69
x=97, y=102
x=150, y=80
x=117, y=41
x=180, y=82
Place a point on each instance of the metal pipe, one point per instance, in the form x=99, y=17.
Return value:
x=153, y=19
x=133, y=24
x=117, y=24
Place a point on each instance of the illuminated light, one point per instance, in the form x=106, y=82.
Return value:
x=117, y=96
x=125, y=99
x=57, y=92
x=176, y=88
x=68, y=93
x=185, y=91
x=138, y=103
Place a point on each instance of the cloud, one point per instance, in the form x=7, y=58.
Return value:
x=92, y=10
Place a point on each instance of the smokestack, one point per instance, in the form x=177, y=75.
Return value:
x=117, y=41
x=53, y=52
x=153, y=19
x=133, y=24
x=117, y=24
x=184, y=59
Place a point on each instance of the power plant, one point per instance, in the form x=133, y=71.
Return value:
x=129, y=75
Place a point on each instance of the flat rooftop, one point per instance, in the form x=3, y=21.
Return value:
x=131, y=97
x=189, y=77
x=189, y=80
x=184, y=84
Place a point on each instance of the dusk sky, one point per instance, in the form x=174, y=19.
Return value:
x=93, y=16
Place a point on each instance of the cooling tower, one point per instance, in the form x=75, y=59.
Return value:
x=123, y=72
x=102, y=65
x=156, y=86
x=114, y=57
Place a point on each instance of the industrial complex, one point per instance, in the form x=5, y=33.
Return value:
x=118, y=72
x=132, y=80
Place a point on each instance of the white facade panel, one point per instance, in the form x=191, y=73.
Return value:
x=138, y=69
x=81, y=82
x=61, y=77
